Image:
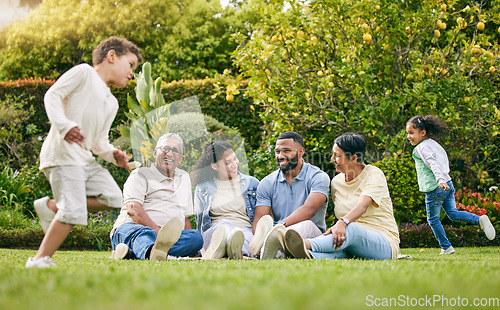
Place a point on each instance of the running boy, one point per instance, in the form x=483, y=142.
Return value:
x=431, y=162
x=81, y=109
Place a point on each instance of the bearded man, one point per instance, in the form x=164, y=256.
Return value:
x=296, y=195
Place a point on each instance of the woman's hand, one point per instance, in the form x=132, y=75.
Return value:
x=338, y=233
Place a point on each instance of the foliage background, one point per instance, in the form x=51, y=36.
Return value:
x=311, y=70
x=184, y=39
x=321, y=68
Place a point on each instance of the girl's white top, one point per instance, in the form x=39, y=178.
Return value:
x=78, y=98
x=434, y=156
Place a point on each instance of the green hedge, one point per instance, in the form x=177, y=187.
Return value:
x=34, y=90
x=82, y=238
x=239, y=114
x=421, y=236
x=408, y=202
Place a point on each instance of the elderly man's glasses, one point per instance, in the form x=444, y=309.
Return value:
x=166, y=149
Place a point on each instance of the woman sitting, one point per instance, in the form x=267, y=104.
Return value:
x=366, y=227
x=224, y=202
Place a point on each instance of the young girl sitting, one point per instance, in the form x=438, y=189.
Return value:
x=431, y=162
x=224, y=202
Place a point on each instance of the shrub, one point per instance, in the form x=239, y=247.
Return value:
x=240, y=114
x=12, y=218
x=420, y=235
x=20, y=139
x=196, y=129
x=37, y=186
x=102, y=219
x=80, y=238
x=480, y=204
x=312, y=68
x=34, y=89
x=12, y=189
x=262, y=161
x=408, y=202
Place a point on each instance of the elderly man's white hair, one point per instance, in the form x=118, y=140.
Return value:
x=170, y=135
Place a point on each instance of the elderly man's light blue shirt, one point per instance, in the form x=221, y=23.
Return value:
x=275, y=192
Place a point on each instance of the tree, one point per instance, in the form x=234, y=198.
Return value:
x=184, y=39
x=332, y=66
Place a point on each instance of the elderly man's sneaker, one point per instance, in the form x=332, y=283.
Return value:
x=44, y=213
x=272, y=242
x=295, y=244
x=449, y=250
x=121, y=251
x=44, y=262
x=167, y=236
x=235, y=244
x=487, y=227
x=264, y=225
x=217, y=247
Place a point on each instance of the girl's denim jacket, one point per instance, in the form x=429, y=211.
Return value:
x=204, y=193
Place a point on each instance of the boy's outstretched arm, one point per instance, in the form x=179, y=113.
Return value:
x=121, y=159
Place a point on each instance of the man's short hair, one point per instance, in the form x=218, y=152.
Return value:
x=120, y=45
x=170, y=135
x=292, y=135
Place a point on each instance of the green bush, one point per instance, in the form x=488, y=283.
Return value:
x=408, y=202
x=37, y=186
x=262, y=161
x=312, y=69
x=420, y=235
x=12, y=218
x=97, y=237
x=240, y=114
x=35, y=90
x=12, y=188
x=80, y=238
x=20, y=139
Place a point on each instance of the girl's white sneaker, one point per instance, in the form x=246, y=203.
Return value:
x=44, y=262
x=449, y=250
x=235, y=244
x=487, y=227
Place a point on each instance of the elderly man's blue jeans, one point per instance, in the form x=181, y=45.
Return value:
x=141, y=238
x=439, y=198
x=359, y=243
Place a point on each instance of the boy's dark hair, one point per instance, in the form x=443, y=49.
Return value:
x=352, y=144
x=432, y=124
x=292, y=135
x=120, y=45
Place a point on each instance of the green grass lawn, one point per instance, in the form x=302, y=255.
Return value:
x=90, y=280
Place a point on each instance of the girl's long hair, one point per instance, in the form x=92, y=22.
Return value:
x=432, y=124
x=212, y=153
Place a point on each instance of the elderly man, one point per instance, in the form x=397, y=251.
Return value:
x=297, y=195
x=154, y=219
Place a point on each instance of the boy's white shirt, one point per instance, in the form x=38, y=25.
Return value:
x=78, y=98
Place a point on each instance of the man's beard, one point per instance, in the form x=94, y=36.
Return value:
x=292, y=163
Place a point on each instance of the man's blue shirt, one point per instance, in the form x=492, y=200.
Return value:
x=275, y=192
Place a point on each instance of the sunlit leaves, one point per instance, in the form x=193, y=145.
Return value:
x=184, y=39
